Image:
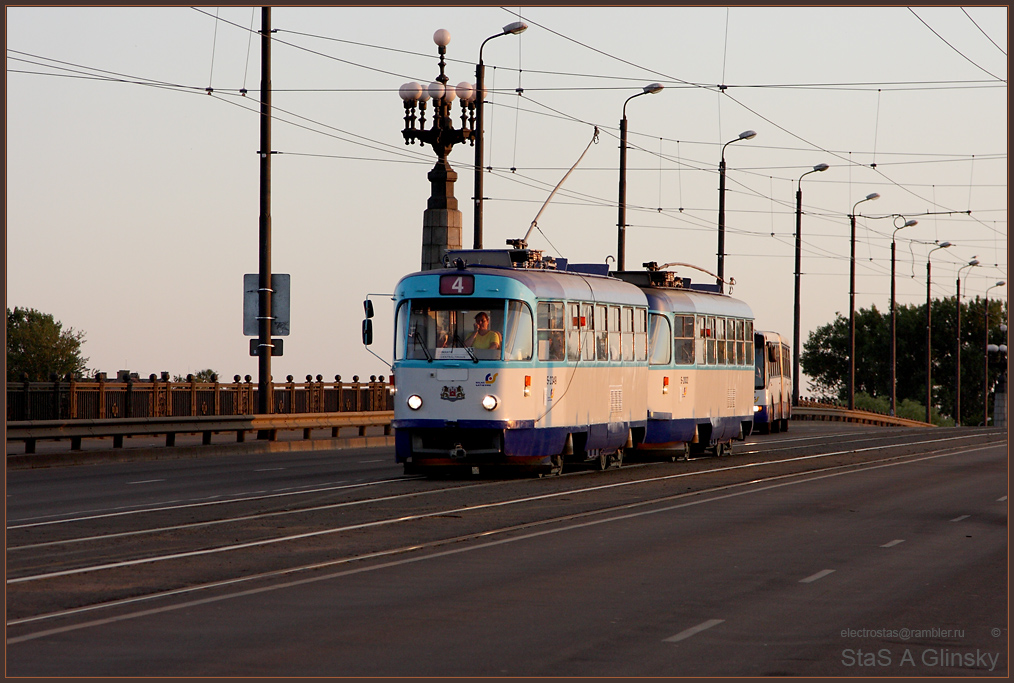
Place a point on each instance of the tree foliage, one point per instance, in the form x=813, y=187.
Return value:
x=206, y=375
x=37, y=345
x=825, y=355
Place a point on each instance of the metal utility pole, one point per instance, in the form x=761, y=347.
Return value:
x=264, y=272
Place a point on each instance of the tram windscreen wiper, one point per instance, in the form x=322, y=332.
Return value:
x=419, y=341
x=471, y=353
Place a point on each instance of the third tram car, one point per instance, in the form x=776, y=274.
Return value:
x=772, y=382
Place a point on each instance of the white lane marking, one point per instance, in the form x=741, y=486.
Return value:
x=1001, y=499
x=694, y=630
x=270, y=469
x=891, y=544
x=962, y=517
x=363, y=462
x=816, y=577
x=409, y=560
x=146, y=481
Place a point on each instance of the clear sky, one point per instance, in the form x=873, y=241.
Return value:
x=133, y=193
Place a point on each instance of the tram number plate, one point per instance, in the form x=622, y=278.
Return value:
x=457, y=284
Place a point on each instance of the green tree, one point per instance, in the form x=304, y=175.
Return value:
x=206, y=375
x=825, y=356
x=37, y=345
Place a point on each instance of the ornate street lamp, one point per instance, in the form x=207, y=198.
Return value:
x=745, y=135
x=985, y=375
x=957, y=328
x=894, y=353
x=852, y=302
x=799, y=250
x=441, y=220
x=929, y=333
x=622, y=221
x=480, y=93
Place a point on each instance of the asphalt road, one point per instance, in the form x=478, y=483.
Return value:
x=831, y=550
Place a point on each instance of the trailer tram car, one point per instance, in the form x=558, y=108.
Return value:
x=699, y=387
x=508, y=359
x=772, y=382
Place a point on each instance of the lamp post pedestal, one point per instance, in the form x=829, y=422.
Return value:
x=441, y=219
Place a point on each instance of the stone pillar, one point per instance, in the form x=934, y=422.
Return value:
x=441, y=219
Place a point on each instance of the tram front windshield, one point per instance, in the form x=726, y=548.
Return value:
x=456, y=329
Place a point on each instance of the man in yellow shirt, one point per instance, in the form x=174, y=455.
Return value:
x=482, y=337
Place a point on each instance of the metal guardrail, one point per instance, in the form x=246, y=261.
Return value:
x=836, y=414
x=266, y=427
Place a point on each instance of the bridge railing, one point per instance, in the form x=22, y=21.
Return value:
x=99, y=399
x=264, y=426
x=814, y=410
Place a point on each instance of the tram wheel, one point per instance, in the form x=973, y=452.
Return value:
x=602, y=462
x=616, y=458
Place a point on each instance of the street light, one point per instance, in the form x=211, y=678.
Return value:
x=957, y=328
x=480, y=93
x=441, y=220
x=985, y=375
x=852, y=302
x=622, y=220
x=745, y=135
x=929, y=334
x=799, y=249
x=894, y=353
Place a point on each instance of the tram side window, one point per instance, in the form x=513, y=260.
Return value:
x=587, y=332
x=748, y=335
x=601, y=334
x=786, y=359
x=701, y=343
x=518, y=332
x=550, y=331
x=659, y=348
x=730, y=341
x=573, y=332
x=684, y=334
x=640, y=334
x=614, y=332
x=720, y=340
x=774, y=360
x=627, y=330
x=740, y=344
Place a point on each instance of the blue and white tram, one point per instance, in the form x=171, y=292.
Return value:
x=566, y=381
x=700, y=366
x=772, y=382
x=501, y=360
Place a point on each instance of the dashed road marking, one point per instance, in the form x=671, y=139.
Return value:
x=958, y=519
x=693, y=631
x=891, y=544
x=816, y=577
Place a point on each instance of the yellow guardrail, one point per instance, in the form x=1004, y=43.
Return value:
x=836, y=414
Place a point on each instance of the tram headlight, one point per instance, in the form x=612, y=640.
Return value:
x=756, y=409
x=490, y=402
x=414, y=402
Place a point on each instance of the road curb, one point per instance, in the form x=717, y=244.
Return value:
x=72, y=458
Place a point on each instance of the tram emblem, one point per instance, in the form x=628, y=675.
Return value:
x=452, y=393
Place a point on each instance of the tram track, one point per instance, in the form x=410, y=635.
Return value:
x=492, y=536
x=75, y=571
x=16, y=546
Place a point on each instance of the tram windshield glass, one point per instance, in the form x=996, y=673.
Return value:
x=459, y=329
